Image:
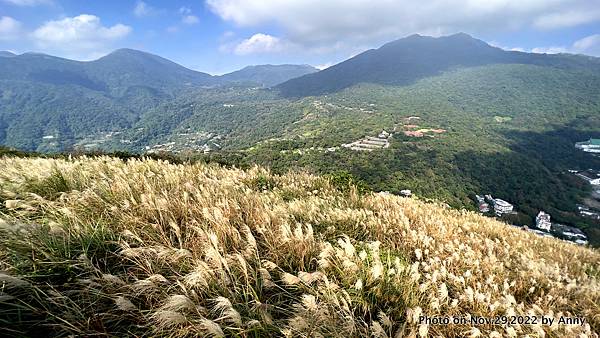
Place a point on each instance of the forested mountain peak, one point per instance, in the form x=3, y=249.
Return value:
x=407, y=60
x=127, y=57
x=268, y=75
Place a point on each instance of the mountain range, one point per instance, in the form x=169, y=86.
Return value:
x=43, y=95
x=127, y=68
x=267, y=75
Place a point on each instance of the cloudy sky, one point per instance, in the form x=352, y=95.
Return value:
x=217, y=36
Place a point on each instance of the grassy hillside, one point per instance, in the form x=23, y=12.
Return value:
x=145, y=248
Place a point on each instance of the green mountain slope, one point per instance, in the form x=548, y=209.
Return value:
x=125, y=68
x=405, y=61
x=113, y=73
x=52, y=104
x=268, y=75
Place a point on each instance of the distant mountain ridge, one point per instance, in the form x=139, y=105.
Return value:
x=125, y=68
x=407, y=60
x=66, y=100
x=113, y=73
x=268, y=75
x=6, y=53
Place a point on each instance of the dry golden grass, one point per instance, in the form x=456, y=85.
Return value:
x=146, y=248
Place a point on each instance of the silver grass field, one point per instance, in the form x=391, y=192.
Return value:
x=106, y=247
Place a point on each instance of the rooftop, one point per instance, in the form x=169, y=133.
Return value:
x=543, y=215
x=568, y=229
x=589, y=174
x=501, y=202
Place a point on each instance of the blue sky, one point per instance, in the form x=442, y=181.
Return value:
x=217, y=36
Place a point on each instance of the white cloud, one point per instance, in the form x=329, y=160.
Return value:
x=260, y=43
x=190, y=19
x=319, y=24
x=589, y=42
x=227, y=35
x=187, y=17
x=512, y=49
x=567, y=18
x=10, y=29
x=142, y=9
x=79, y=36
x=589, y=45
x=324, y=66
x=28, y=2
x=550, y=50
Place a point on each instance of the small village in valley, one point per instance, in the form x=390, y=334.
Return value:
x=544, y=226
x=491, y=206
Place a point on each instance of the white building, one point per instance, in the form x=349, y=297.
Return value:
x=384, y=134
x=590, y=146
x=542, y=221
x=502, y=207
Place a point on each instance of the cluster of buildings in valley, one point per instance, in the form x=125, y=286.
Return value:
x=585, y=211
x=543, y=225
x=381, y=141
x=421, y=132
x=98, y=140
x=593, y=178
x=406, y=127
x=325, y=106
x=187, y=141
x=499, y=206
x=410, y=129
x=370, y=143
